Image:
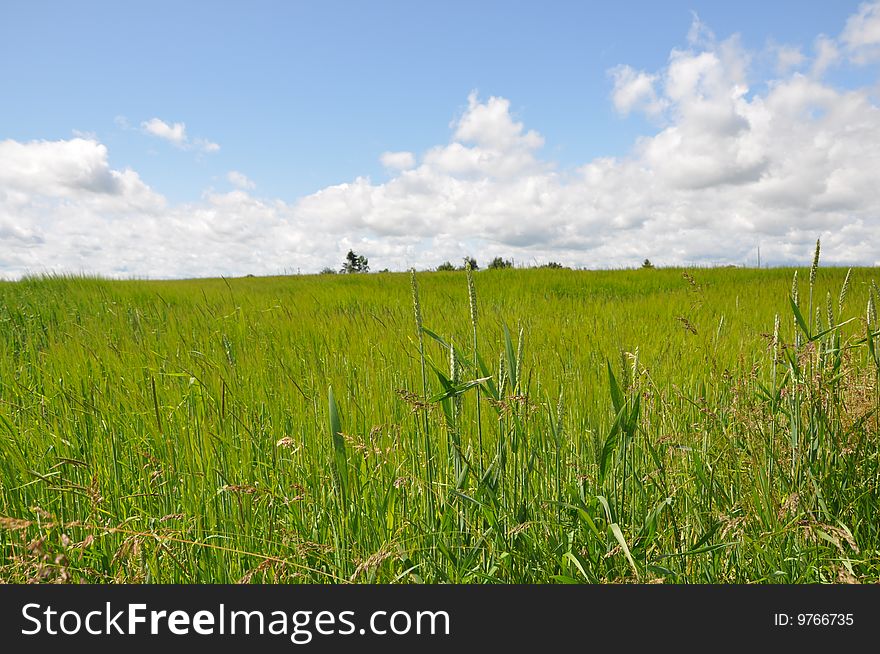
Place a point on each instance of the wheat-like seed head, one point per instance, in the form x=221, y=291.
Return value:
x=873, y=297
x=635, y=364
x=776, y=339
x=417, y=305
x=519, y=354
x=794, y=287
x=872, y=311
x=472, y=294
x=455, y=378
x=815, y=265
x=453, y=365
x=560, y=413
x=843, y=291
x=503, y=374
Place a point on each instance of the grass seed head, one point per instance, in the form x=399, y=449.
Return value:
x=560, y=413
x=454, y=372
x=624, y=371
x=417, y=305
x=635, y=364
x=776, y=339
x=843, y=291
x=815, y=265
x=872, y=311
x=519, y=353
x=472, y=294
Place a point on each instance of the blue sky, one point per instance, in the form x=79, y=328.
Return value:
x=304, y=95
x=299, y=97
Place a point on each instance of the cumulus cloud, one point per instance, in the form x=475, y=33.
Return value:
x=43, y=173
x=732, y=162
x=861, y=36
x=176, y=135
x=398, y=160
x=491, y=126
x=634, y=90
x=64, y=208
x=240, y=180
x=788, y=58
x=732, y=166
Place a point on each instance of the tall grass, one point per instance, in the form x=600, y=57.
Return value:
x=597, y=427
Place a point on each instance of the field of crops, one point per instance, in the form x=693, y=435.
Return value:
x=543, y=426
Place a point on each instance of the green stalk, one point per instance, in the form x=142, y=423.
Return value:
x=429, y=462
x=472, y=303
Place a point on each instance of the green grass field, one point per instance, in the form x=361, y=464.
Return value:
x=621, y=426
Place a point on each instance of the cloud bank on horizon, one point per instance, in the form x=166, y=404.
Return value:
x=727, y=169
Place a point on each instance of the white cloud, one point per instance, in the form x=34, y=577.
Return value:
x=827, y=55
x=491, y=126
x=634, y=90
x=63, y=208
x=62, y=170
x=788, y=58
x=398, y=160
x=858, y=43
x=176, y=135
x=730, y=167
x=782, y=162
x=240, y=180
x=699, y=34
x=861, y=35
x=206, y=146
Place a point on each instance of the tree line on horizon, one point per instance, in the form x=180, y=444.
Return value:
x=357, y=263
